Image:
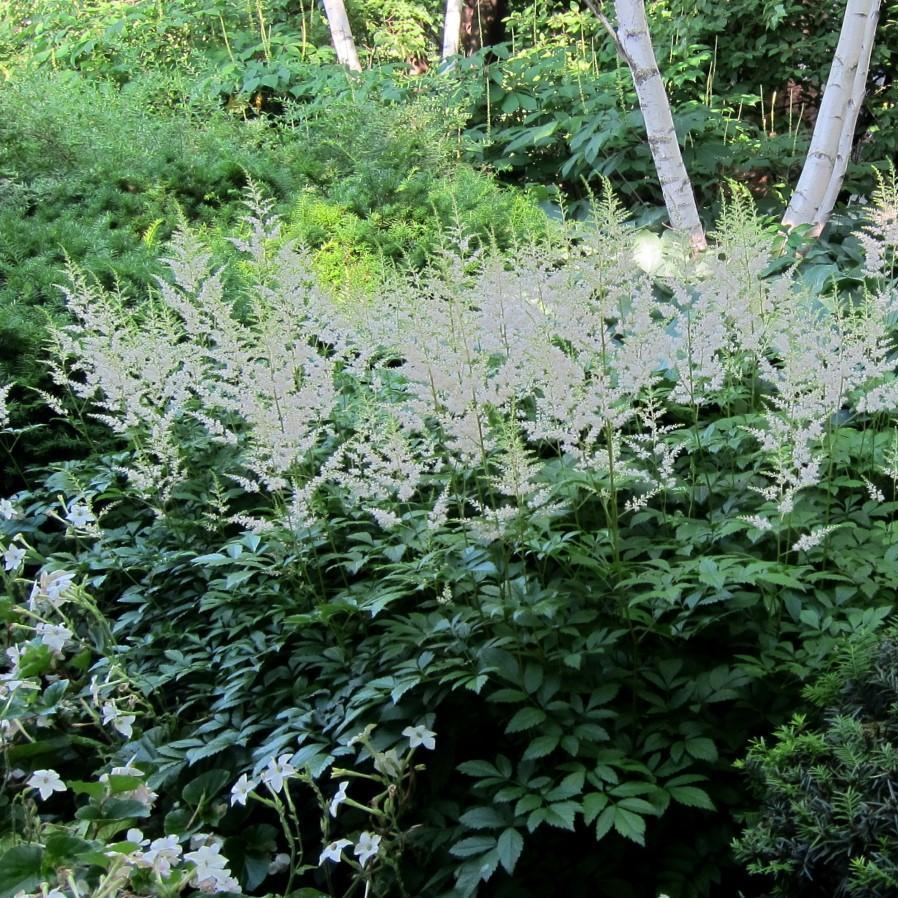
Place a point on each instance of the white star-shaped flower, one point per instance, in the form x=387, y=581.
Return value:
x=334, y=851
x=367, y=846
x=46, y=782
x=79, y=515
x=420, y=735
x=7, y=510
x=242, y=789
x=12, y=558
x=121, y=723
x=338, y=798
x=54, y=636
x=277, y=771
x=163, y=854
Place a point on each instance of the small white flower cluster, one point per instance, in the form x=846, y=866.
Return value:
x=4, y=406
x=275, y=774
x=811, y=540
x=210, y=873
x=48, y=593
x=366, y=847
x=279, y=770
x=210, y=867
x=158, y=855
x=51, y=590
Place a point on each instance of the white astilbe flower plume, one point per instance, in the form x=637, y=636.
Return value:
x=4, y=406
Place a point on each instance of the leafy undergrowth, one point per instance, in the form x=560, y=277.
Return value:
x=474, y=587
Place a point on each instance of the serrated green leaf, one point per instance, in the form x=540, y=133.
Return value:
x=570, y=786
x=701, y=749
x=478, y=768
x=691, y=796
x=525, y=719
x=561, y=814
x=527, y=803
x=473, y=845
x=593, y=805
x=631, y=826
x=533, y=677
x=637, y=805
x=483, y=818
x=604, y=823
x=540, y=747
x=510, y=846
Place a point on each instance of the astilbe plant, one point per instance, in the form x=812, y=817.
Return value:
x=623, y=514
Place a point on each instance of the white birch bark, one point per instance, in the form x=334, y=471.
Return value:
x=836, y=115
x=451, y=29
x=635, y=45
x=341, y=34
x=846, y=141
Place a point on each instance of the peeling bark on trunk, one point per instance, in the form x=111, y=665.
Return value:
x=451, y=29
x=824, y=168
x=635, y=46
x=341, y=34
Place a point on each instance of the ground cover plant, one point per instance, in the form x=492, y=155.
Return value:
x=473, y=586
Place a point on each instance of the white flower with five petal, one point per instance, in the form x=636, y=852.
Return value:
x=277, y=771
x=162, y=855
x=211, y=873
x=242, y=789
x=367, y=847
x=79, y=515
x=12, y=558
x=121, y=723
x=420, y=735
x=54, y=636
x=46, y=782
x=7, y=510
x=334, y=851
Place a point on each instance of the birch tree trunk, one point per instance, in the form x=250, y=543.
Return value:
x=824, y=168
x=451, y=29
x=635, y=45
x=341, y=34
x=846, y=142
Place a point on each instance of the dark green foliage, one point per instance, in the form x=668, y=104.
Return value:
x=828, y=781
